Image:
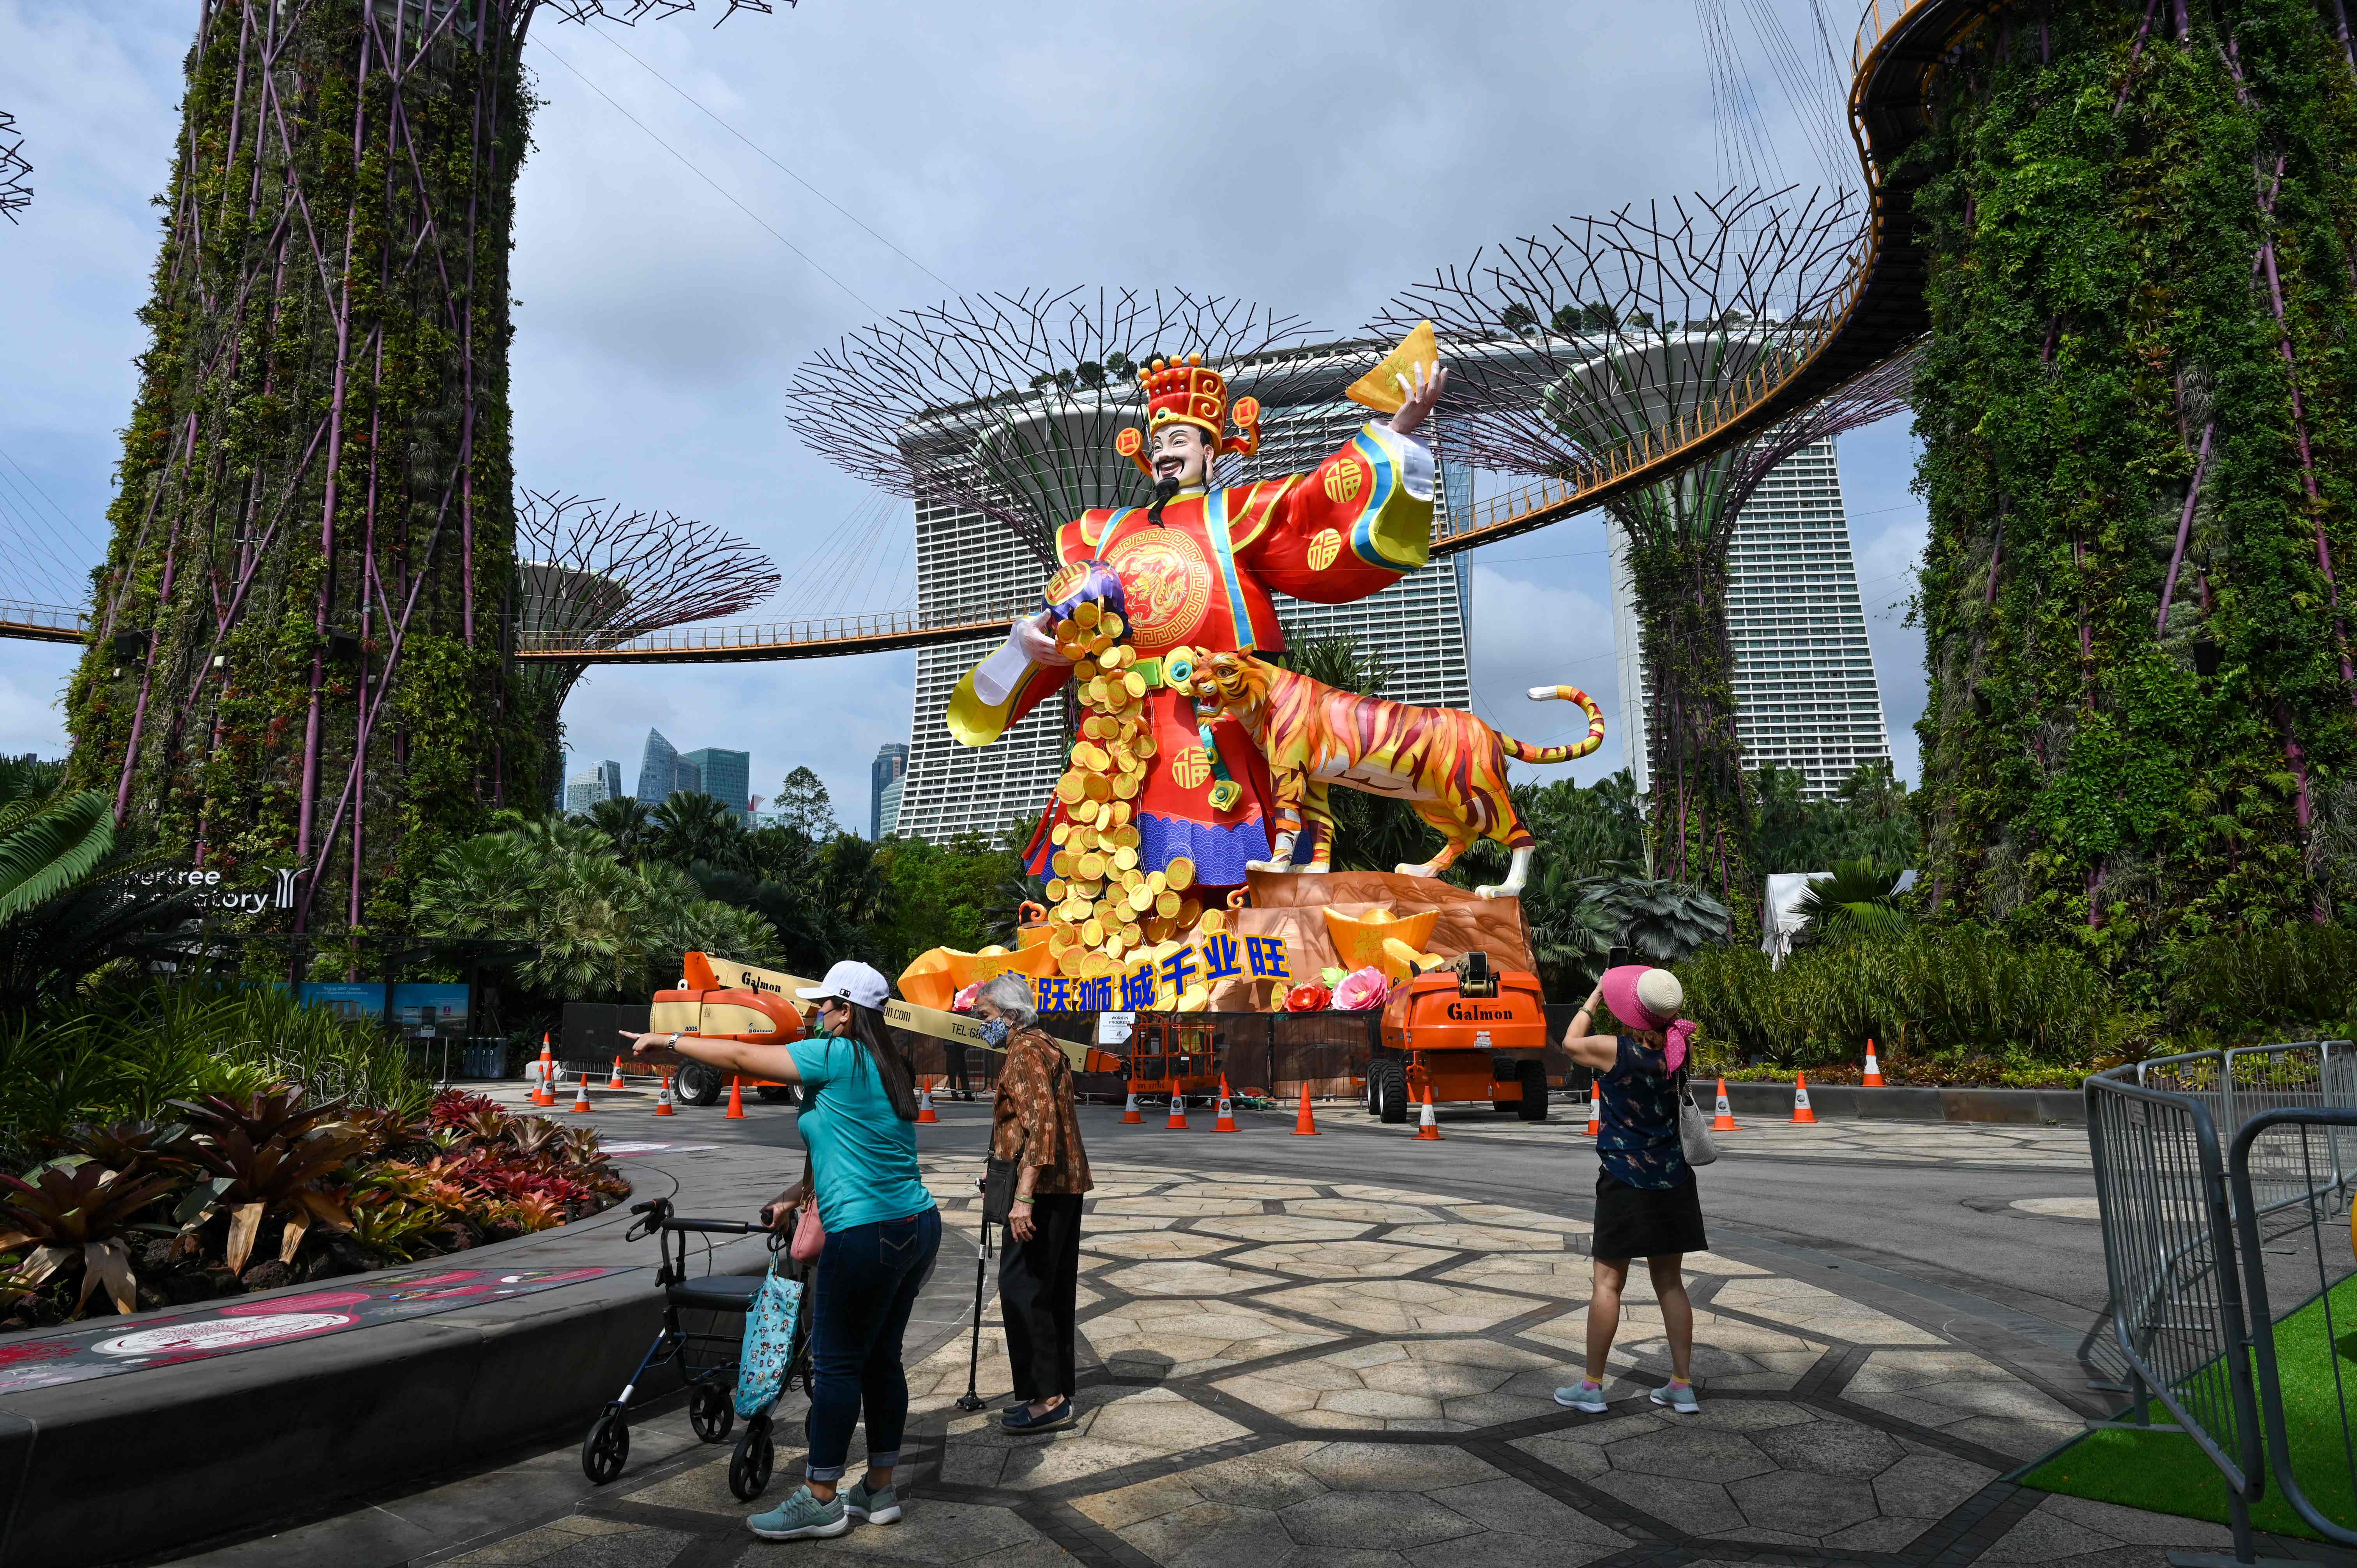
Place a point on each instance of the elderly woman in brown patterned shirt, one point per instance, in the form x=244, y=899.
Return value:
x=1032, y=1126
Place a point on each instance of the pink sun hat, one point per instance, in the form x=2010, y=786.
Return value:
x=1644, y=997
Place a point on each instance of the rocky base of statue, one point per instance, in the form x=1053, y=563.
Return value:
x=1335, y=921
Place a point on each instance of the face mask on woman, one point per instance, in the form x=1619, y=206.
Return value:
x=994, y=1031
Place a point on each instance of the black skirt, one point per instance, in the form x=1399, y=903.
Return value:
x=1646, y=1222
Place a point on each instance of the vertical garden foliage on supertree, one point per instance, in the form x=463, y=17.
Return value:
x=298, y=633
x=2136, y=415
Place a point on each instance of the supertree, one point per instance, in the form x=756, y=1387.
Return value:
x=1009, y=404
x=299, y=634
x=596, y=576
x=2140, y=461
x=1568, y=347
x=15, y=171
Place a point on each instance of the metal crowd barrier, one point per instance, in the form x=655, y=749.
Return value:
x=2278, y=1142
x=2187, y=1307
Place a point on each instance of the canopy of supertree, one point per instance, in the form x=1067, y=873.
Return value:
x=1009, y=404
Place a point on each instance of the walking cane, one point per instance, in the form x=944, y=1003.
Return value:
x=971, y=1401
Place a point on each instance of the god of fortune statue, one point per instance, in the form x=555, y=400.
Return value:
x=1190, y=574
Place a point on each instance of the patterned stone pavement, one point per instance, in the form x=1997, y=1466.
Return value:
x=1292, y=1373
x=1971, y=1146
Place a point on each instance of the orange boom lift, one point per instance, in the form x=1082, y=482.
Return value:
x=1171, y=1057
x=1475, y=1035
x=717, y=1011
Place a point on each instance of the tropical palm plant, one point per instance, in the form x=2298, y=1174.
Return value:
x=66, y=903
x=1858, y=898
x=483, y=887
x=691, y=827
x=855, y=885
x=50, y=842
x=1662, y=923
x=629, y=822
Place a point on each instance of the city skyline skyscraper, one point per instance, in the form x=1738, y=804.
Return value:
x=726, y=775
x=586, y=788
x=658, y=769
x=1807, y=698
x=884, y=780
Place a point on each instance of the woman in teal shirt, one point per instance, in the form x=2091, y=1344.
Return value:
x=858, y=1121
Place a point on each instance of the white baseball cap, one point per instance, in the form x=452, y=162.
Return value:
x=859, y=983
x=1660, y=993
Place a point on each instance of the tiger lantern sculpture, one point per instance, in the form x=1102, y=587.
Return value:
x=1444, y=762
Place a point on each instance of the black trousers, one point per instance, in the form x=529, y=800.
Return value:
x=1039, y=1286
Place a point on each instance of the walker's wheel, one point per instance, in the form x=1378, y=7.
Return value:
x=606, y=1448
x=749, y=1467
x=710, y=1412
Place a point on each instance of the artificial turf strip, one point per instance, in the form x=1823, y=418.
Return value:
x=2167, y=1472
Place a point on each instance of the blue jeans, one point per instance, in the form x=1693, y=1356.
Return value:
x=867, y=1281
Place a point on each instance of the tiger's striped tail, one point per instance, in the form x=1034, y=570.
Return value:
x=1523, y=751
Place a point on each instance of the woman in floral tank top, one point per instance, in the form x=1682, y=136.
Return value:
x=1646, y=1203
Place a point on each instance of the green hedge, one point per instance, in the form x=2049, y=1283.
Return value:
x=1932, y=992
x=1968, y=994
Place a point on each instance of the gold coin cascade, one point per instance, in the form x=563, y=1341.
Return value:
x=1104, y=915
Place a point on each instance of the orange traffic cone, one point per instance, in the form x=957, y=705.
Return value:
x=581, y=1099
x=1724, y=1122
x=1427, y=1126
x=545, y=1091
x=1873, y=1079
x=616, y=1082
x=662, y=1103
x=1801, y=1111
x=1129, y=1116
x=1177, y=1122
x=925, y=1103
x=1305, y=1125
x=1227, y=1121
x=736, y=1098
x=1595, y=1110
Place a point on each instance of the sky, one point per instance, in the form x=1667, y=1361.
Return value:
x=703, y=208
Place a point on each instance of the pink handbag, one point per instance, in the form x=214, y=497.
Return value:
x=810, y=1235
x=810, y=1232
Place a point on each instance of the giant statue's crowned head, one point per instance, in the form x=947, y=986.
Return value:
x=1187, y=420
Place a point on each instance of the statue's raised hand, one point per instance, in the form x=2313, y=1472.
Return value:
x=1421, y=394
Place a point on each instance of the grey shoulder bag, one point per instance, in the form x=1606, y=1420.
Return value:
x=1694, y=1132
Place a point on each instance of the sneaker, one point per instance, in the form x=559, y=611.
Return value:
x=802, y=1518
x=1020, y=1419
x=1677, y=1398
x=879, y=1506
x=1578, y=1397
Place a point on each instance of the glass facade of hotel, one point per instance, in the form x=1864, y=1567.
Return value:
x=1805, y=693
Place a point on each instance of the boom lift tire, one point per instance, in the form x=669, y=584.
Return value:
x=1534, y=1107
